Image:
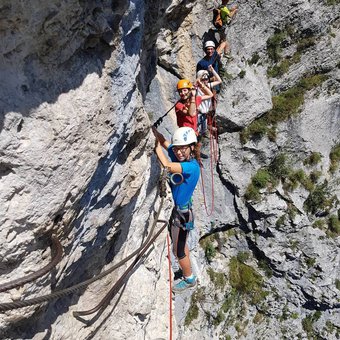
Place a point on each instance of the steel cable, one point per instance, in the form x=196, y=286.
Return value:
x=114, y=290
x=56, y=246
x=57, y=294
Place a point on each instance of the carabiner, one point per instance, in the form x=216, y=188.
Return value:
x=176, y=178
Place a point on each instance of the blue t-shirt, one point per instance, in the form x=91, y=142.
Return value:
x=191, y=172
x=204, y=63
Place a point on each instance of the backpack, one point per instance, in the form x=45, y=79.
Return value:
x=217, y=20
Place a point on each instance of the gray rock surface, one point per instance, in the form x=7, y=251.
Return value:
x=81, y=84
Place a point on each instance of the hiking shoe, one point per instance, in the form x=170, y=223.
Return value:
x=185, y=284
x=228, y=56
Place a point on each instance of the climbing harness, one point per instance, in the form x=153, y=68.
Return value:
x=56, y=248
x=160, y=119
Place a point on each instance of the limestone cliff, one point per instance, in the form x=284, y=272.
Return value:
x=81, y=84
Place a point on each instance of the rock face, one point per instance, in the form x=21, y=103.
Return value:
x=81, y=84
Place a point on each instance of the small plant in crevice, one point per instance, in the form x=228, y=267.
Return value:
x=313, y=159
x=320, y=224
x=197, y=297
x=334, y=157
x=337, y=284
x=333, y=226
x=332, y=2
x=209, y=248
x=320, y=199
x=310, y=262
x=218, y=318
x=281, y=39
x=242, y=74
x=268, y=176
x=254, y=59
x=246, y=281
x=285, y=105
x=275, y=44
x=314, y=176
x=218, y=279
x=307, y=324
x=264, y=265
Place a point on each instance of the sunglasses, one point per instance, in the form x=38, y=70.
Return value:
x=205, y=78
x=183, y=149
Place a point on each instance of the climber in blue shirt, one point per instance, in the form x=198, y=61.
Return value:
x=184, y=153
x=212, y=57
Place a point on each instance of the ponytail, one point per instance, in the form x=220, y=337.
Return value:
x=197, y=152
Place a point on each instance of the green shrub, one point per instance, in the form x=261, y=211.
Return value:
x=318, y=199
x=245, y=280
x=264, y=265
x=279, y=70
x=313, y=159
x=218, y=279
x=309, y=83
x=242, y=74
x=320, y=224
x=305, y=43
x=207, y=244
x=314, y=176
x=218, y=318
x=230, y=301
x=278, y=168
x=243, y=256
x=334, y=157
x=337, y=284
x=193, y=310
x=274, y=45
x=280, y=221
x=310, y=262
x=334, y=225
x=256, y=129
x=254, y=59
x=285, y=105
x=294, y=178
x=252, y=193
x=332, y=2
x=261, y=179
x=294, y=316
x=307, y=324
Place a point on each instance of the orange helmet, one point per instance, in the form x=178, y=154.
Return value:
x=184, y=84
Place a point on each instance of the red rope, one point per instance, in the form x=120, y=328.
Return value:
x=212, y=190
x=170, y=284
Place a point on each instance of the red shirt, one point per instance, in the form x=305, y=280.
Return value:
x=184, y=119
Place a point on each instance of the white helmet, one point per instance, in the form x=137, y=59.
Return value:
x=201, y=73
x=184, y=136
x=209, y=43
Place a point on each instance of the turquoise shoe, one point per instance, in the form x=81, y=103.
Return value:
x=185, y=284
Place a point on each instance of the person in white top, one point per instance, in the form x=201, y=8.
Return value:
x=206, y=107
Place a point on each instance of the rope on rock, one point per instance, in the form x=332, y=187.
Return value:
x=56, y=248
x=170, y=287
x=115, y=288
x=146, y=244
x=63, y=292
